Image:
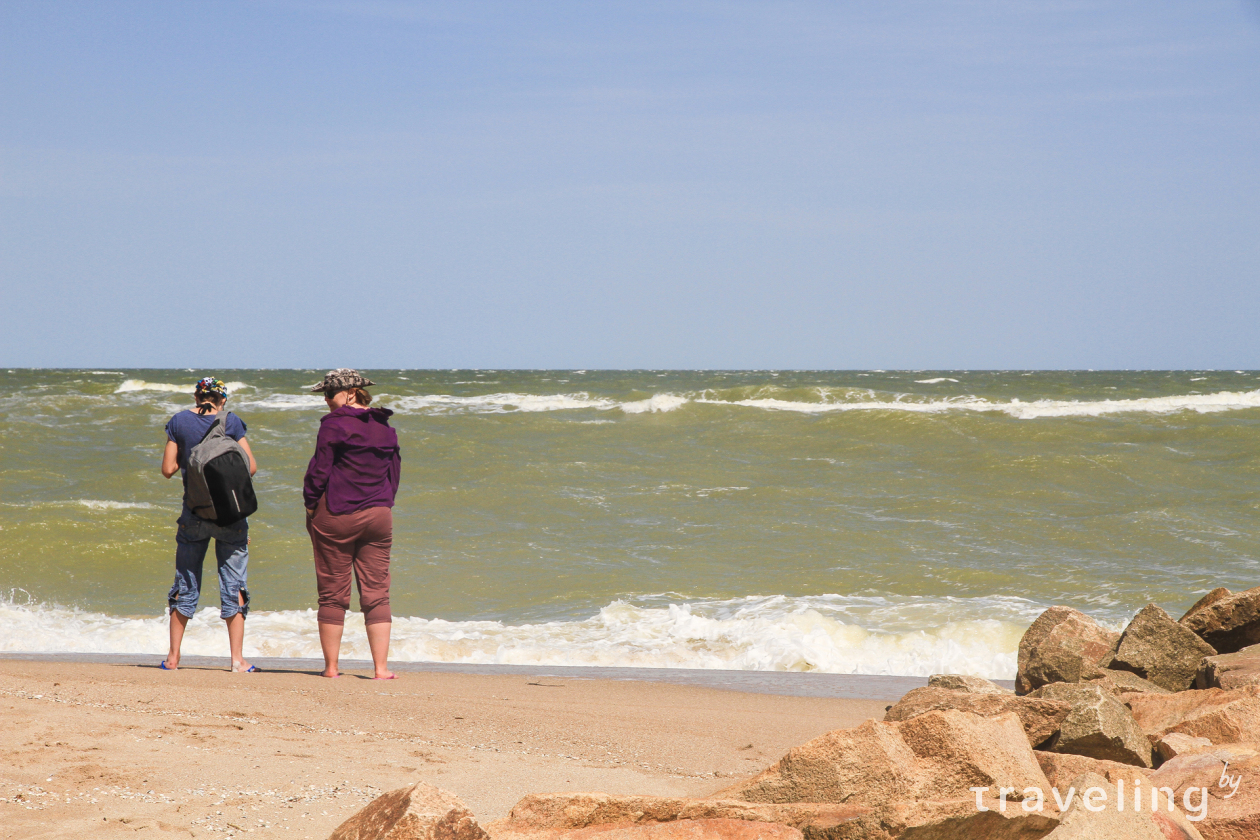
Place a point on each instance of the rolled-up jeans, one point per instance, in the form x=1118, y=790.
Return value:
x=361, y=541
x=231, y=550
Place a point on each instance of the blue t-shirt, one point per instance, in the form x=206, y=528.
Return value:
x=188, y=428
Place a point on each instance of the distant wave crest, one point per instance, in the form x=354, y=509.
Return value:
x=801, y=401
x=129, y=385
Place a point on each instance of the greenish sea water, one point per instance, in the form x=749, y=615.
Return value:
x=847, y=521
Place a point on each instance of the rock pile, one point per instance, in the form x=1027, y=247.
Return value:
x=1149, y=733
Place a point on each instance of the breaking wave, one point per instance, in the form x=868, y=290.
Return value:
x=802, y=401
x=830, y=634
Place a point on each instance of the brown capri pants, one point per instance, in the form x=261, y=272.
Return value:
x=360, y=540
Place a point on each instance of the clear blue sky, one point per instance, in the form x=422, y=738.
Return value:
x=671, y=185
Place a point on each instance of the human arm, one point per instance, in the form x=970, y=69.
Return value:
x=320, y=468
x=253, y=465
x=170, y=459
x=395, y=472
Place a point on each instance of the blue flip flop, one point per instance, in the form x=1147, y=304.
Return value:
x=162, y=665
x=251, y=669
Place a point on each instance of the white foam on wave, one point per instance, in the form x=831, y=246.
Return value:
x=775, y=633
x=1201, y=403
x=105, y=504
x=934, y=381
x=498, y=403
x=282, y=402
x=658, y=403
x=130, y=385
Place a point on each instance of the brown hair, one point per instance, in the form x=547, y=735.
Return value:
x=360, y=395
x=200, y=398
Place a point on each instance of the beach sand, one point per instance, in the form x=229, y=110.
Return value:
x=110, y=750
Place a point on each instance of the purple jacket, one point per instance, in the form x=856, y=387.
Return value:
x=357, y=461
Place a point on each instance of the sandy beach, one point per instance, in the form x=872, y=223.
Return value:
x=109, y=750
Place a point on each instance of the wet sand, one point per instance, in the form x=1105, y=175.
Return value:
x=113, y=747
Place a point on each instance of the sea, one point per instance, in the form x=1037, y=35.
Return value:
x=848, y=522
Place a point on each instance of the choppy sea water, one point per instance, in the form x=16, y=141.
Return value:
x=878, y=522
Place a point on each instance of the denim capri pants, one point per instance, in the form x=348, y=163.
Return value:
x=231, y=549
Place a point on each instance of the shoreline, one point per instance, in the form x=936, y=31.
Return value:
x=782, y=683
x=95, y=746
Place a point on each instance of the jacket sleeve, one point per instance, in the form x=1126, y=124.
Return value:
x=320, y=468
x=395, y=472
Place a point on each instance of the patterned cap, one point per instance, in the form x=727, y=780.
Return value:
x=210, y=385
x=341, y=379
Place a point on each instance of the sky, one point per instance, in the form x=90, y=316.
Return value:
x=818, y=185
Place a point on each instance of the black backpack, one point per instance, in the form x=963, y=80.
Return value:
x=219, y=488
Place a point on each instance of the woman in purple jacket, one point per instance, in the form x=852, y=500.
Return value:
x=349, y=494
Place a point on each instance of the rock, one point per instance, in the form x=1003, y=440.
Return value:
x=952, y=820
x=1099, y=725
x=553, y=814
x=937, y=755
x=1228, y=623
x=1223, y=717
x=1211, y=598
x=1169, y=746
x=915, y=777
x=955, y=751
x=1086, y=820
x=1229, y=814
x=868, y=765
x=1040, y=718
x=1159, y=649
x=1121, y=683
x=1062, y=645
x=719, y=829
x=1230, y=670
x=965, y=683
x=1062, y=769
x=419, y=812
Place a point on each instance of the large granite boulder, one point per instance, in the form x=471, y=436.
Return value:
x=1173, y=744
x=1041, y=719
x=951, y=819
x=1227, y=622
x=1223, y=717
x=718, y=829
x=916, y=776
x=1062, y=645
x=966, y=684
x=419, y=812
x=1230, y=670
x=870, y=764
x=1207, y=600
x=1062, y=769
x=1159, y=649
x=1094, y=815
x=1098, y=726
x=936, y=755
x=554, y=814
x=1120, y=684
x=1229, y=799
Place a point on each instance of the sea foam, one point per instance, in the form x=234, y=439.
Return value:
x=1201, y=403
x=129, y=385
x=828, y=400
x=760, y=633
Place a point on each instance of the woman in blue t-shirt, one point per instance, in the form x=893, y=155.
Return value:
x=231, y=542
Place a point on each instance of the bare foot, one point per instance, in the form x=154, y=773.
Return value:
x=330, y=673
x=385, y=675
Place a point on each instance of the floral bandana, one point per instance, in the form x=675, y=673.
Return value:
x=210, y=385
